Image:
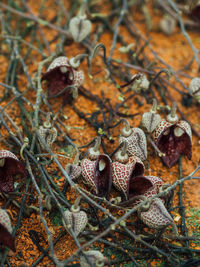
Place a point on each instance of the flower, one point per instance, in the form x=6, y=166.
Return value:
x=61, y=75
x=136, y=141
x=173, y=137
x=195, y=88
x=80, y=28
x=129, y=178
x=9, y=166
x=76, y=219
x=98, y=174
x=155, y=215
x=153, y=212
x=150, y=120
x=6, y=238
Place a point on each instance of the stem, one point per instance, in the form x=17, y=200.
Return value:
x=173, y=109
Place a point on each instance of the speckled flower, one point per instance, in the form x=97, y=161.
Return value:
x=98, y=174
x=76, y=219
x=155, y=215
x=9, y=167
x=127, y=177
x=173, y=137
x=150, y=120
x=6, y=238
x=136, y=141
x=61, y=75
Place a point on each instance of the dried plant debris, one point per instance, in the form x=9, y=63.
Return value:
x=82, y=76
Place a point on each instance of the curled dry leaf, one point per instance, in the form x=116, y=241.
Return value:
x=9, y=167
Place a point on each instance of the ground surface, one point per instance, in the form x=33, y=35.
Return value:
x=151, y=51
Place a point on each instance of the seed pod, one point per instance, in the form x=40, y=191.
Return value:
x=126, y=177
x=136, y=141
x=150, y=120
x=6, y=238
x=9, y=167
x=61, y=76
x=173, y=138
x=98, y=174
x=76, y=219
x=95, y=257
x=80, y=28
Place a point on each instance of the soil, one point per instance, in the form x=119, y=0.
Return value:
x=173, y=49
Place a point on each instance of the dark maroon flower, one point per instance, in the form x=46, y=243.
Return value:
x=9, y=166
x=153, y=213
x=98, y=174
x=6, y=238
x=61, y=74
x=173, y=140
x=173, y=137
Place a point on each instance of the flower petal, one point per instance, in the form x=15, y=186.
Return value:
x=6, y=238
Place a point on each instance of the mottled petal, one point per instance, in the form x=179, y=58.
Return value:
x=6, y=230
x=6, y=238
x=88, y=169
x=93, y=256
x=157, y=215
x=73, y=170
x=11, y=167
x=150, y=121
x=77, y=220
x=137, y=144
x=57, y=81
x=78, y=77
x=98, y=174
x=138, y=186
x=103, y=175
x=123, y=173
